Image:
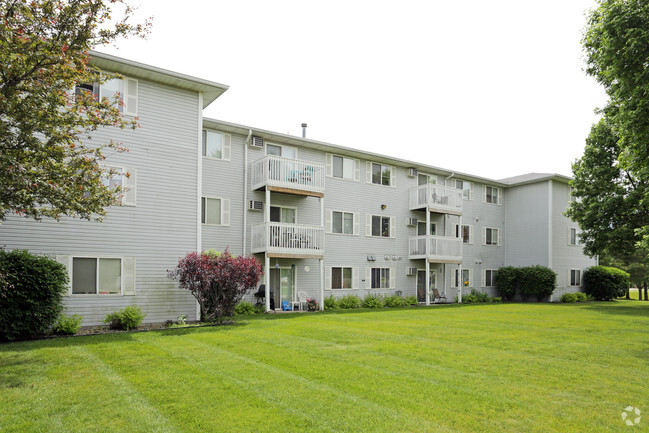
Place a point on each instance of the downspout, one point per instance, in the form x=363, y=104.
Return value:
x=245, y=192
x=199, y=186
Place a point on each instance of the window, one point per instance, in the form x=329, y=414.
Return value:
x=342, y=222
x=575, y=277
x=379, y=226
x=464, y=231
x=215, y=211
x=491, y=236
x=122, y=92
x=489, y=275
x=283, y=151
x=423, y=179
x=283, y=214
x=421, y=228
x=492, y=195
x=572, y=192
x=380, y=174
x=466, y=187
x=380, y=278
x=341, y=278
x=343, y=168
x=573, y=236
x=465, y=281
x=122, y=181
x=216, y=145
x=92, y=275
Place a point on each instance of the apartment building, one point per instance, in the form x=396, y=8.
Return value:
x=322, y=219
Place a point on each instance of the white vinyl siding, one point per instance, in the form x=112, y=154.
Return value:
x=217, y=145
x=492, y=194
x=380, y=226
x=380, y=174
x=215, y=211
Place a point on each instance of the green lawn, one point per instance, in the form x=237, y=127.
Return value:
x=472, y=368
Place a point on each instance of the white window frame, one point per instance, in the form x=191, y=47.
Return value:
x=486, y=198
x=459, y=233
x=433, y=228
x=391, y=278
x=128, y=89
x=329, y=277
x=280, y=213
x=498, y=237
x=430, y=177
x=282, y=149
x=225, y=211
x=466, y=271
x=355, y=222
x=127, y=183
x=356, y=171
x=571, y=277
x=467, y=193
x=573, y=236
x=493, y=275
x=368, y=174
x=391, y=224
x=226, y=145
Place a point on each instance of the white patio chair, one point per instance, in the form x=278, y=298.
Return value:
x=301, y=298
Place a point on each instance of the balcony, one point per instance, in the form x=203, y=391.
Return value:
x=288, y=240
x=436, y=249
x=292, y=176
x=436, y=198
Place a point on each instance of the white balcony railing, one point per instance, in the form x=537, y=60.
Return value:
x=436, y=248
x=288, y=173
x=288, y=239
x=436, y=198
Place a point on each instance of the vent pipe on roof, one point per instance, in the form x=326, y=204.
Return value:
x=304, y=130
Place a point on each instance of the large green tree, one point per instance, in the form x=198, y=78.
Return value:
x=46, y=170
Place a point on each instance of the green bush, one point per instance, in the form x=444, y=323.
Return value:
x=31, y=294
x=497, y=300
x=538, y=281
x=330, y=303
x=568, y=297
x=127, y=318
x=411, y=300
x=476, y=297
x=605, y=283
x=244, y=307
x=373, y=301
x=394, y=301
x=349, y=301
x=581, y=297
x=67, y=325
x=506, y=279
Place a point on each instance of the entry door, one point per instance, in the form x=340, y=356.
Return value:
x=421, y=288
x=281, y=285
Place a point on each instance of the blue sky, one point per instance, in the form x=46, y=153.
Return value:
x=494, y=89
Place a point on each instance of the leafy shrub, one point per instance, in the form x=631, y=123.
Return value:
x=373, y=301
x=605, y=283
x=127, y=318
x=476, y=297
x=506, y=279
x=311, y=304
x=31, y=294
x=67, y=325
x=539, y=281
x=394, y=301
x=497, y=300
x=330, y=303
x=411, y=300
x=581, y=297
x=568, y=297
x=349, y=301
x=244, y=307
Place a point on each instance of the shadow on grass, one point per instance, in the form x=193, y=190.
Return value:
x=620, y=308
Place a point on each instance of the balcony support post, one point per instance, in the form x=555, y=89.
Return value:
x=427, y=283
x=322, y=279
x=267, y=281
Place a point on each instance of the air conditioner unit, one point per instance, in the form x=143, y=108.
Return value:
x=411, y=271
x=256, y=205
x=412, y=221
x=412, y=172
x=257, y=142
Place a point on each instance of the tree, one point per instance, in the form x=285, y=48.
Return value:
x=616, y=44
x=218, y=281
x=45, y=169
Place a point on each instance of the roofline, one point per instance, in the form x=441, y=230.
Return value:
x=210, y=89
x=342, y=150
x=543, y=177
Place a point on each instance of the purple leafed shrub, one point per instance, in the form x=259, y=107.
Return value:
x=218, y=281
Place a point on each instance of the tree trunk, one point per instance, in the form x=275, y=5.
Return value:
x=646, y=298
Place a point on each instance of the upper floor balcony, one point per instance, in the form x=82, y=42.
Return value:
x=292, y=176
x=436, y=249
x=288, y=240
x=436, y=198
